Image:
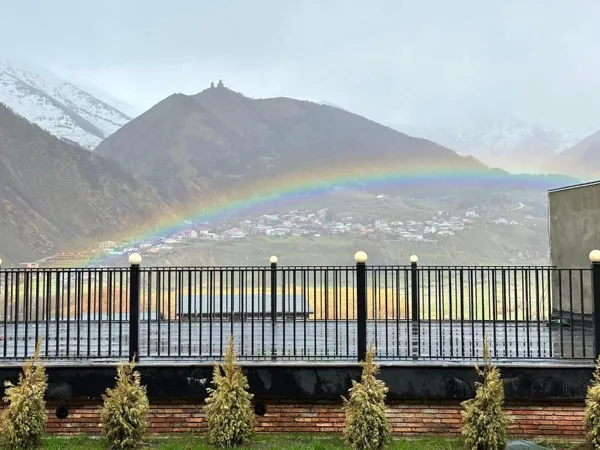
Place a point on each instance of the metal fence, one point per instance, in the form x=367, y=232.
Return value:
x=301, y=313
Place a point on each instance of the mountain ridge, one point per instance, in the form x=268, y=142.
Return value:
x=582, y=159
x=187, y=146
x=57, y=105
x=56, y=195
x=506, y=142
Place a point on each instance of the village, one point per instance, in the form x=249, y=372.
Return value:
x=311, y=224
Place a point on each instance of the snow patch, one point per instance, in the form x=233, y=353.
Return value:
x=57, y=105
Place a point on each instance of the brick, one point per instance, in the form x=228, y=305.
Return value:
x=409, y=418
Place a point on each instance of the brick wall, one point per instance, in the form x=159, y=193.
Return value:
x=407, y=418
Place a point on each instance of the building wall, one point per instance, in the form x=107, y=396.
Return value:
x=546, y=399
x=409, y=418
x=574, y=232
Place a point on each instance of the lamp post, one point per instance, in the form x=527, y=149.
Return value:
x=273, y=260
x=361, y=304
x=594, y=257
x=414, y=306
x=135, y=260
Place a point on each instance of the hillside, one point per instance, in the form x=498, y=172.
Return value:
x=59, y=106
x=53, y=194
x=187, y=146
x=583, y=159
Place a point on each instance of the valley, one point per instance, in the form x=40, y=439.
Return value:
x=328, y=230
x=311, y=183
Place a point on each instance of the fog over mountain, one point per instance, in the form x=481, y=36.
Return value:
x=432, y=64
x=506, y=142
x=389, y=82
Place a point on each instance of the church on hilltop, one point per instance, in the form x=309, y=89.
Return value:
x=219, y=84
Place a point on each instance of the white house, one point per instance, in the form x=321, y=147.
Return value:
x=107, y=245
x=189, y=234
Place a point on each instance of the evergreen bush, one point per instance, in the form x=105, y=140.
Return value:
x=24, y=417
x=484, y=423
x=367, y=426
x=229, y=412
x=124, y=414
x=592, y=410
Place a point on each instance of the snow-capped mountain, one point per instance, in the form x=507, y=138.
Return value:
x=581, y=160
x=57, y=105
x=107, y=98
x=508, y=143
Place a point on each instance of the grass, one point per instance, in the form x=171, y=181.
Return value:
x=273, y=441
x=283, y=441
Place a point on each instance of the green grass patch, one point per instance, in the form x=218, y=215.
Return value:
x=270, y=441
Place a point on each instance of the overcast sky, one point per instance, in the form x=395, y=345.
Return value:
x=423, y=62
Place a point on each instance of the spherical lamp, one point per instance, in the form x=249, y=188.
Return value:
x=360, y=257
x=135, y=259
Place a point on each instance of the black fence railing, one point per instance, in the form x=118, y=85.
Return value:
x=301, y=313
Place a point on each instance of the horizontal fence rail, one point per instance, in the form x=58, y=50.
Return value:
x=301, y=313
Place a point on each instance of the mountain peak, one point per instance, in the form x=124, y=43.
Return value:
x=218, y=90
x=582, y=159
x=503, y=141
x=57, y=105
x=219, y=138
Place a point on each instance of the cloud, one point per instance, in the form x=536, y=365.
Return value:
x=426, y=62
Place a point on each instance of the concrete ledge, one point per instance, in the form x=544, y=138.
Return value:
x=322, y=381
x=316, y=362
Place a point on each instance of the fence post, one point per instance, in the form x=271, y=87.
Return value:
x=134, y=306
x=595, y=260
x=361, y=304
x=273, y=260
x=414, y=287
x=1, y=282
x=414, y=307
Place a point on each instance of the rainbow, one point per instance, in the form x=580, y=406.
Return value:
x=291, y=188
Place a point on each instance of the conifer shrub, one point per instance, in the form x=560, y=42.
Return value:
x=592, y=410
x=124, y=414
x=484, y=423
x=229, y=412
x=24, y=418
x=367, y=426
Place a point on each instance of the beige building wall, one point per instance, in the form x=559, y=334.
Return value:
x=574, y=215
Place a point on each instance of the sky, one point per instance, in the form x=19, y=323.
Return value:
x=418, y=62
